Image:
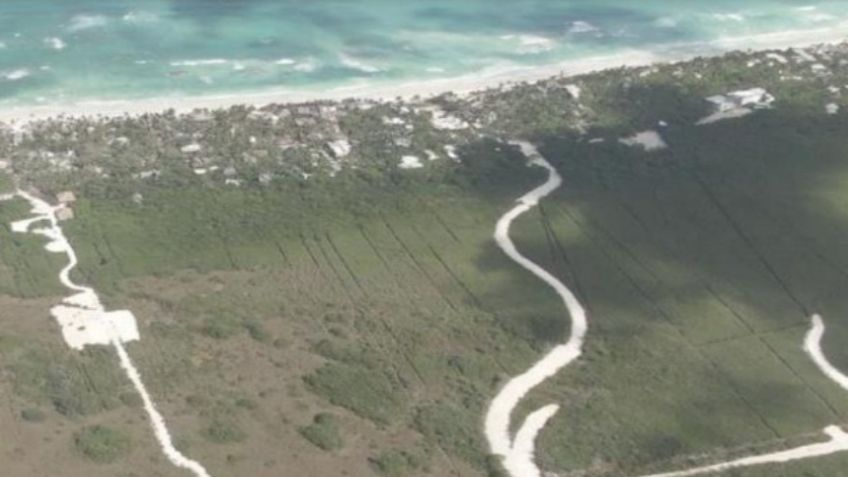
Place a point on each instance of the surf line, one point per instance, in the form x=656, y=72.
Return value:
x=517, y=453
x=838, y=438
x=85, y=321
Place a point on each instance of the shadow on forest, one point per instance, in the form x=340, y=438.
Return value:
x=749, y=215
x=728, y=203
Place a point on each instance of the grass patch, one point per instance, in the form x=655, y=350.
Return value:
x=397, y=463
x=74, y=384
x=220, y=327
x=324, y=432
x=33, y=414
x=101, y=444
x=452, y=428
x=6, y=183
x=368, y=393
x=224, y=432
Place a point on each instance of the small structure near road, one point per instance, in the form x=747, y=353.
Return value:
x=191, y=148
x=648, y=140
x=755, y=98
x=339, y=148
x=65, y=198
x=410, y=162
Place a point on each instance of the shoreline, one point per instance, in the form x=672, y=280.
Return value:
x=18, y=116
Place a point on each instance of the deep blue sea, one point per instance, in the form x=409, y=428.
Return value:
x=58, y=51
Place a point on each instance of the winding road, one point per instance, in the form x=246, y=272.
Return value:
x=518, y=453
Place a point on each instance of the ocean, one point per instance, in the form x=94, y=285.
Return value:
x=65, y=51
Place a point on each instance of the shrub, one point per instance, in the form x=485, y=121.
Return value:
x=101, y=444
x=323, y=432
x=396, y=463
x=220, y=327
x=246, y=403
x=32, y=415
x=257, y=331
x=494, y=466
x=368, y=393
x=224, y=432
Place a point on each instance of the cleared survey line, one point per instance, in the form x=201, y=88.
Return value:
x=517, y=453
x=86, y=303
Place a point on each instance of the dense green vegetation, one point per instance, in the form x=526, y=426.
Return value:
x=370, y=314
x=25, y=270
x=73, y=384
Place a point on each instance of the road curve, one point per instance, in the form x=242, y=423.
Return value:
x=517, y=453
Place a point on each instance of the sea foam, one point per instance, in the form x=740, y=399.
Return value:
x=729, y=17
x=84, y=22
x=16, y=75
x=55, y=42
x=306, y=66
x=581, y=26
x=205, y=62
x=531, y=44
x=140, y=17
x=357, y=64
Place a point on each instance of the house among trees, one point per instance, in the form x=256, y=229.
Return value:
x=754, y=97
x=66, y=197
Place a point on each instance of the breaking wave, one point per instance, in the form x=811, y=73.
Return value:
x=85, y=22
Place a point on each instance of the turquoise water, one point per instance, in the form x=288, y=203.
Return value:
x=57, y=51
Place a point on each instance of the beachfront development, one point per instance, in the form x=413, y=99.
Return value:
x=633, y=265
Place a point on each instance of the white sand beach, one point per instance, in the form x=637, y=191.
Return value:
x=494, y=77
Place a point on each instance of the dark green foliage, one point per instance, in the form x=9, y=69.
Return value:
x=77, y=385
x=256, y=330
x=324, y=432
x=494, y=466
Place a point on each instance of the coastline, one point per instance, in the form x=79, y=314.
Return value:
x=19, y=116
